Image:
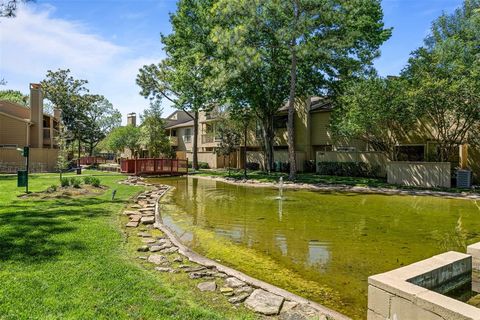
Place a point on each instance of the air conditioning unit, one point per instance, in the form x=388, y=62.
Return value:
x=464, y=179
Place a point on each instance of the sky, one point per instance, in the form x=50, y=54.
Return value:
x=107, y=41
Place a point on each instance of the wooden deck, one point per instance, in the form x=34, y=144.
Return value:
x=154, y=166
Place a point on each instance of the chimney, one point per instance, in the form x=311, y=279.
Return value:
x=132, y=119
x=36, y=115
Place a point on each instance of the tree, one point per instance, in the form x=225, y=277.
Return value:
x=154, y=135
x=182, y=77
x=228, y=130
x=444, y=77
x=62, y=157
x=100, y=118
x=376, y=111
x=321, y=43
x=66, y=93
x=121, y=138
x=14, y=96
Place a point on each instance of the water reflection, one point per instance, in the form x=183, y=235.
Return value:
x=324, y=239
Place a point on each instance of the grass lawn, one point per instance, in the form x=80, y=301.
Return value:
x=312, y=178
x=70, y=258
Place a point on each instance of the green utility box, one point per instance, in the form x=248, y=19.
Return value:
x=22, y=178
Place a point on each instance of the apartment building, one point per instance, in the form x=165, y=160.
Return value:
x=22, y=126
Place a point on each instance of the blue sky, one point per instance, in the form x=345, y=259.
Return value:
x=107, y=41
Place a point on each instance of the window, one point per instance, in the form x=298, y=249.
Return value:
x=411, y=153
x=8, y=145
x=188, y=135
x=280, y=122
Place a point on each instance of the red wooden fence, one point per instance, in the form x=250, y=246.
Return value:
x=154, y=166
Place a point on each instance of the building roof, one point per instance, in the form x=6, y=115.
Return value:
x=179, y=125
x=316, y=104
x=17, y=110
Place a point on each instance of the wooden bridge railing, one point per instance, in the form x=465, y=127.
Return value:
x=154, y=166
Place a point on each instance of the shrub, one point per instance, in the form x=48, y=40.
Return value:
x=52, y=188
x=280, y=166
x=65, y=182
x=203, y=165
x=310, y=166
x=348, y=169
x=74, y=182
x=87, y=180
x=95, y=182
x=253, y=166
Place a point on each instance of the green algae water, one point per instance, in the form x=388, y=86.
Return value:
x=322, y=246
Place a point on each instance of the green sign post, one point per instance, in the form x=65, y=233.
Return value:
x=22, y=175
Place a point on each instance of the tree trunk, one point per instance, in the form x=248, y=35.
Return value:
x=291, y=113
x=195, y=145
x=268, y=136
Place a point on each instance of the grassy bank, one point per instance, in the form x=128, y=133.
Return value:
x=68, y=257
x=315, y=179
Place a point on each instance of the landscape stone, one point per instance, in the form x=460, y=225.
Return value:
x=226, y=291
x=148, y=220
x=288, y=305
x=202, y=274
x=155, y=248
x=135, y=218
x=148, y=240
x=143, y=249
x=135, y=206
x=144, y=234
x=244, y=289
x=129, y=213
x=264, y=302
x=302, y=312
x=239, y=298
x=170, y=250
x=164, y=269
x=132, y=224
x=207, y=286
x=157, y=259
x=233, y=282
x=178, y=259
x=192, y=269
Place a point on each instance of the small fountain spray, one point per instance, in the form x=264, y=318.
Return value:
x=280, y=189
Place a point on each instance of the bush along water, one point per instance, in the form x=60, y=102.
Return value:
x=348, y=169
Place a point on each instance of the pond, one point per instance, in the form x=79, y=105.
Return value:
x=322, y=246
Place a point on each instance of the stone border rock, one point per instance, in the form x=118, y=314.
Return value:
x=344, y=188
x=238, y=287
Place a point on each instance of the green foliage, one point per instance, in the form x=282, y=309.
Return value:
x=348, y=169
x=444, y=76
x=65, y=92
x=375, y=110
x=52, y=188
x=91, y=180
x=64, y=182
x=100, y=118
x=75, y=182
x=259, y=41
x=153, y=133
x=120, y=138
x=14, y=96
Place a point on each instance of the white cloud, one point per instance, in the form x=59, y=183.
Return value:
x=35, y=42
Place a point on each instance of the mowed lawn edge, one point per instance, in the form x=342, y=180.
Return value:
x=71, y=258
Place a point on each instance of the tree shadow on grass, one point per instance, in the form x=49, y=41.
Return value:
x=29, y=230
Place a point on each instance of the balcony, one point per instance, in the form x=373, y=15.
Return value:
x=173, y=141
x=210, y=138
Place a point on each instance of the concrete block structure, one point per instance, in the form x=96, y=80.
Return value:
x=416, y=291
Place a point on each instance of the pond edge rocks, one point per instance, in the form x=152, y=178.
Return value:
x=259, y=296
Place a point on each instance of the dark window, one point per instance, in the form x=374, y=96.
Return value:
x=280, y=122
x=411, y=153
